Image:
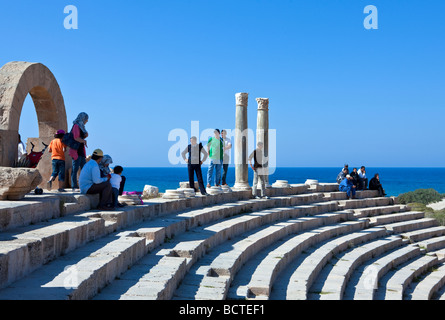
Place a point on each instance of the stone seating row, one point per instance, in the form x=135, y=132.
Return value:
x=50, y=240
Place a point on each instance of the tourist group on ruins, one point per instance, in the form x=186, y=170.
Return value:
x=96, y=176
x=350, y=182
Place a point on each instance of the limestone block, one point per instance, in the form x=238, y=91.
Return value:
x=214, y=190
x=311, y=182
x=186, y=184
x=15, y=183
x=130, y=199
x=150, y=192
x=173, y=194
x=281, y=184
x=188, y=192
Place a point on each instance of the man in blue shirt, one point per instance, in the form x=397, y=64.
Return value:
x=347, y=186
x=91, y=182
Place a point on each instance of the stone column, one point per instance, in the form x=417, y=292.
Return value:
x=262, y=129
x=241, y=134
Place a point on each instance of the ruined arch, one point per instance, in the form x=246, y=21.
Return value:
x=17, y=80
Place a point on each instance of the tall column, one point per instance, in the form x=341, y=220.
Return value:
x=262, y=129
x=241, y=165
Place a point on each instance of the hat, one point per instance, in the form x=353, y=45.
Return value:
x=61, y=132
x=348, y=176
x=98, y=153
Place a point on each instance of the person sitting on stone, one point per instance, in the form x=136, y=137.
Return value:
x=362, y=179
x=342, y=175
x=354, y=176
x=347, y=186
x=91, y=182
x=374, y=184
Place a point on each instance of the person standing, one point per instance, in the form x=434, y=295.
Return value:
x=21, y=149
x=79, y=134
x=57, y=149
x=258, y=168
x=226, y=157
x=194, y=162
x=216, y=153
x=91, y=182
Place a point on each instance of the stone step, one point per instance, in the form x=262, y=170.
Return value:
x=429, y=284
x=28, y=248
x=395, y=217
x=30, y=210
x=432, y=244
x=411, y=225
x=366, y=202
x=263, y=277
x=228, y=258
x=395, y=283
x=377, y=211
x=370, y=274
x=334, y=284
x=81, y=274
x=311, y=263
x=422, y=234
x=193, y=244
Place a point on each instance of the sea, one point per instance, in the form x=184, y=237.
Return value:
x=395, y=181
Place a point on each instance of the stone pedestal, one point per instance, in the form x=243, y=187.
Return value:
x=241, y=143
x=173, y=194
x=281, y=184
x=262, y=131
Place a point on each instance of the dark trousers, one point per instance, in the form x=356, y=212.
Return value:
x=362, y=184
x=192, y=168
x=104, y=189
x=122, y=186
x=224, y=175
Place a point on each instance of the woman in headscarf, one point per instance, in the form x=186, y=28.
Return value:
x=79, y=155
x=104, y=165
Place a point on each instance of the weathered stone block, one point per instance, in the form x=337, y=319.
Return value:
x=15, y=183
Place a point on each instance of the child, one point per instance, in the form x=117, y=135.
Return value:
x=115, y=184
x=57, y=149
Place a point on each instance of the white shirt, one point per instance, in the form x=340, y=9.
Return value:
x=21, y=150
x=362, y=174
x=115, y=180
x=227, y=143
x=90, y=175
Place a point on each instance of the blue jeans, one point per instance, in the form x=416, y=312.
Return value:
x=348, y=190
x=115, y=197
x=77, y=164
x=214, y=165
x=58, y=167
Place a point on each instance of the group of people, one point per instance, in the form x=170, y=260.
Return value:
x=350, y=182
x=95, y=176
x=218, y=150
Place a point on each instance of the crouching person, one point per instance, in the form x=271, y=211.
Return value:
x=347, y=186
x=91, y=182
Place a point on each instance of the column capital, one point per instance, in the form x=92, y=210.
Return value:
x=263, y=103
x=241, y=99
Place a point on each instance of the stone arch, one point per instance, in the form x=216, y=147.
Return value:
x=17, y=80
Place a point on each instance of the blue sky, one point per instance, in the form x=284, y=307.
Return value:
x=338, y=93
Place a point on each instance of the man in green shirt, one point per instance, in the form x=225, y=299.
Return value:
x=216, y=153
